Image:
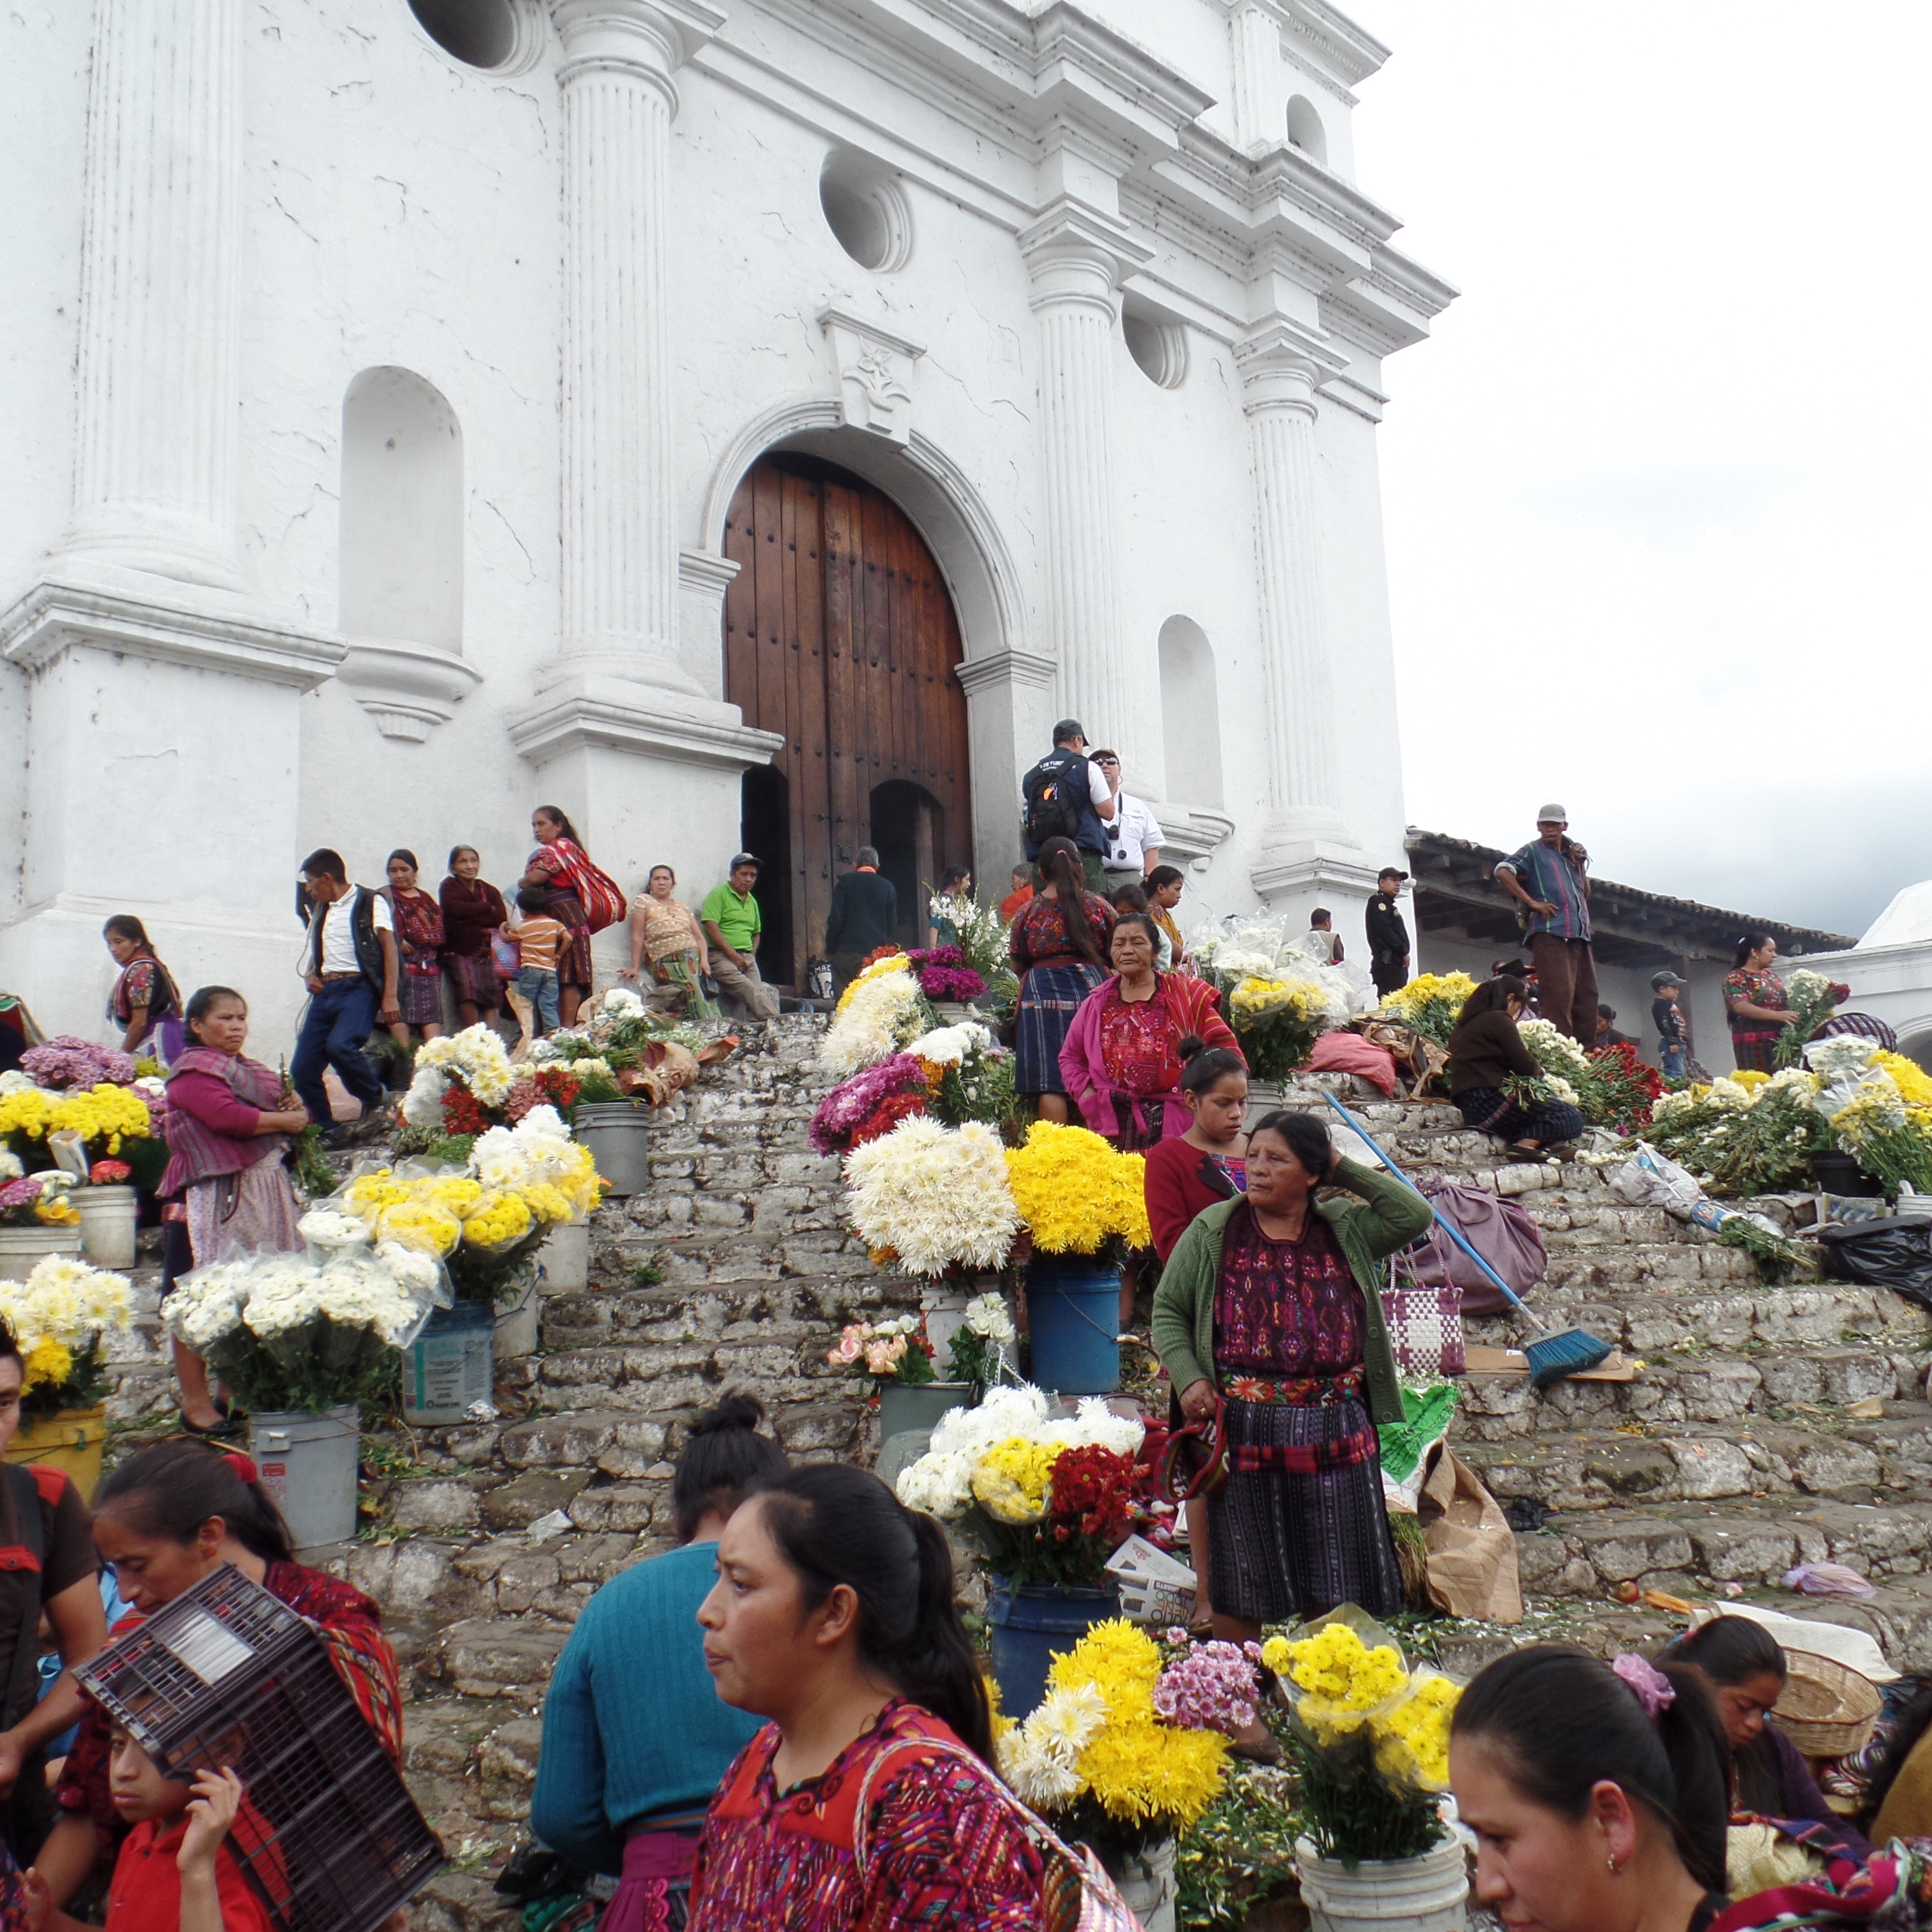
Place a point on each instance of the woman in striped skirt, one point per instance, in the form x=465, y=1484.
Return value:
x=1060, y=956
x=1271, y=1305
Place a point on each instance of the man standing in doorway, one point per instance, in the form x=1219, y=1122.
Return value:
x=864, y=909
x=733, y=924
x=1133, y=837
x=350, y=966
x=1550, y=878
x=1066, y=796
x=1388, y=936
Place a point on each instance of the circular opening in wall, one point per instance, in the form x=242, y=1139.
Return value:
x=1156, y=342
x=479, y=33
x=865, y=208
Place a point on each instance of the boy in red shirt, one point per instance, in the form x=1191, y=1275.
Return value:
x=174, y=1873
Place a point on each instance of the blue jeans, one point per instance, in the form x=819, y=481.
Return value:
x=340, y=1018
x=1673, y=1055
x=539, y=988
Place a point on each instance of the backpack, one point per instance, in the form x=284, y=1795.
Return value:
x=1056, y=793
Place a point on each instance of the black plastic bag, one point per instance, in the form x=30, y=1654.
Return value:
x=1893, y=1254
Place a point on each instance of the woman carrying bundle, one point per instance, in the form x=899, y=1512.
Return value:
x=559, y=866
x=833, y=1616
x=145, y=1003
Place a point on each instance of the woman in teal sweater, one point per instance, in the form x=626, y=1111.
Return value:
x=1271, y=1304
x=636, y=1740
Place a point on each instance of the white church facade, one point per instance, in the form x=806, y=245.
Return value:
x=731, y=421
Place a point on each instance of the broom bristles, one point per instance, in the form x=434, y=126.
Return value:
x=1551, y=1357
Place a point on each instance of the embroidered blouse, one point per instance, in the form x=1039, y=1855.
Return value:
x=1038, y=936
x=1763, y=989
x=419, y=919
x=144, y=983
x=1286, y=1309
x=944, y=1852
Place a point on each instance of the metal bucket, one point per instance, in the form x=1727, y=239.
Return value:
x=308, y=1465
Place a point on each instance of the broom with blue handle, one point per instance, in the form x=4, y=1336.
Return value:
x=1551, y=1357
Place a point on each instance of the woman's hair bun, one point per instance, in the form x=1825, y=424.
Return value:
x=1188, y=1045
x=734, y=1412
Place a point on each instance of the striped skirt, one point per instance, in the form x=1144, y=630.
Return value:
x=419, y=998
x=1049, y=998
x=472, y=979
x=1285, y=1545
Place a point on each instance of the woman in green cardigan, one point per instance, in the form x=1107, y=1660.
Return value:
x=1272, y=1304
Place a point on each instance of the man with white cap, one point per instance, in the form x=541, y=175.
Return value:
x=1550, y=878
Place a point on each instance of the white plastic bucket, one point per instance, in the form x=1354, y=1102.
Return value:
x=108, y=1216
x=1146, y=1885
x=517, y=1324
x=449, y=1367
x=22, y=1249
x=308, y=1465
x=565, y=1256
x=618, y=1133
x=1429, y=1894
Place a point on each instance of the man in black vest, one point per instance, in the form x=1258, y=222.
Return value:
x=864, y=909
x=1066, y=796
x=349, y=966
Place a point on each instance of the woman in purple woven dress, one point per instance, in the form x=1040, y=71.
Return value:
x=419, y=942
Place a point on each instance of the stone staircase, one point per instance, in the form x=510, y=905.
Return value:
x=1767, y=1425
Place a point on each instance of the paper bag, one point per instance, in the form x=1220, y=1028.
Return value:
x=1471, y=1549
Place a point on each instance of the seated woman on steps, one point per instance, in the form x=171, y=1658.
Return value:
x=1486, y=1052
x=631, y=1757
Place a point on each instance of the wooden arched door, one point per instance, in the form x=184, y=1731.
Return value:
x=839, y=633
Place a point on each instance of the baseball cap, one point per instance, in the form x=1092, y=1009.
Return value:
x=746, y=858
x=1665, y=979
x=1068, y=727
x=1391, y=872
x=1548, y=813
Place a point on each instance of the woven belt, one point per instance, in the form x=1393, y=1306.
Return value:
x=329, y=979
x=1303, y=1392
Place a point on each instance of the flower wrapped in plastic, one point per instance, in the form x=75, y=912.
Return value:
x=894, y=1350
x=39, y=1200
x=1009, y=1481
x=930, y=1198
x=1430, y=1004
x=979, y=1343
x=539, y=1148
x=1075, y=1190
x=474, y=1060
x=61, y=1318
x=498, y=1219
x=326, y=1227
x=424, y=1224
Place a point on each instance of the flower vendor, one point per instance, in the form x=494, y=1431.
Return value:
x=164, y=1520
x=45, y=1517
x=1744, y=1668
x=473, y=913
x=418, y=918
x=833, y=1616
x=1550, y=879
x=1485, y=1054
x=562, y=867
x=1598, y=1792
x=1122, y=1057
x=666, y=936
x=226, y=1184
x=631, y=1758
x=1756, y=1005
x=145, y=1003
x=1270, y=1307
x=1058, y=947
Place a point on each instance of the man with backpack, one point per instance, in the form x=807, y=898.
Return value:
x=1065, y=796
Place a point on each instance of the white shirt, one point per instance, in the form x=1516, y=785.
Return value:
x=338, y=935
x=1129, y=834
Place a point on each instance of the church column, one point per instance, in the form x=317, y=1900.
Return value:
x=1280, y=368
x=1076, y=257
x=160, y=279
x=620, y=532
x=1255, y=55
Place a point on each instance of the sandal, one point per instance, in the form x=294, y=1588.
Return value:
x=1522, y=1155
x=225, y=1425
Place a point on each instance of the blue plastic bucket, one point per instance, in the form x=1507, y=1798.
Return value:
x=450, y=1364
x=1031, y=1626
x=1073, y=1316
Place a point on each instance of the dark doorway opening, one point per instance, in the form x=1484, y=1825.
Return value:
x=764, y=830
x=908, y=827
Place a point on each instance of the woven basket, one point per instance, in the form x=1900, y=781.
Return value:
x=1828, y=1709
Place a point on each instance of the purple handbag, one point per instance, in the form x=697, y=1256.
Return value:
x=1505, y=1235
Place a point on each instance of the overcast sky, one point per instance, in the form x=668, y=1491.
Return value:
x=1656, y=491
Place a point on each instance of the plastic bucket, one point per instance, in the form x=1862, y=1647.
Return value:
x=1031, y=1626
x=449, y=1365
x=1834, y=1173
x=72, y=1441
x=904, y=1406
x=1073, y=1316
x=308, y=1465
x=516, y=1331
x=108, y=1216
x=617, y=1132
x=22, y=1249
x=1147, y=1883
x=565, y=1256
x=1429, y=1894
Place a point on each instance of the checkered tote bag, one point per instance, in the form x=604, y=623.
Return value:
x=1424, y=1323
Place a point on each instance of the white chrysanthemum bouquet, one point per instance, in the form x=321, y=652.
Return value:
x=927, y=1197
x=60, y=1318
x=881, y=1011
x=474, y=1059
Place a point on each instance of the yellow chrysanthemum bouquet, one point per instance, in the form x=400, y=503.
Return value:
x=1077, y=1193
x=1096, y=1757
x=1370, y=1734
x=60, y=1318
x=1430, y=1004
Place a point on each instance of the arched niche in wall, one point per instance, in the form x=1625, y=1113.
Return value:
x=1305, y=130
x=401, y=553
x=1190, y=707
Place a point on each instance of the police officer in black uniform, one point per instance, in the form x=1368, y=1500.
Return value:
x=1388, y=936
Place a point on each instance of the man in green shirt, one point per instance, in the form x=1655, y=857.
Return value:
x=732, y=924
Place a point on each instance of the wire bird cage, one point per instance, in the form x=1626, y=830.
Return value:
x=328, y=1835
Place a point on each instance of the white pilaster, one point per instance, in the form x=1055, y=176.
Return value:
x=620, y=546
x=1260, y=108
x=161, y=278
x=1282, y=364
x=1076, y=257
